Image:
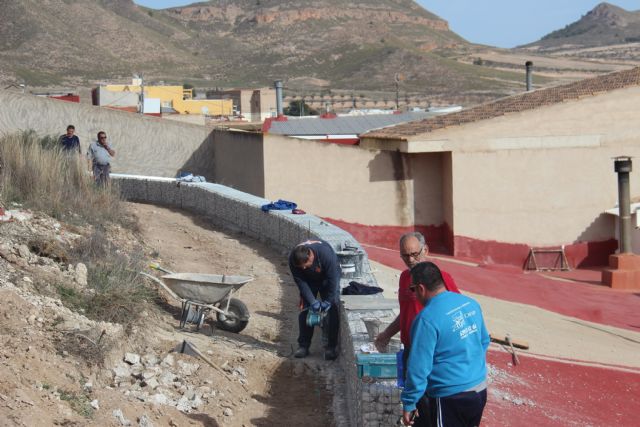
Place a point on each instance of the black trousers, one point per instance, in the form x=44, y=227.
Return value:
x=459, y=410
x=331, y=325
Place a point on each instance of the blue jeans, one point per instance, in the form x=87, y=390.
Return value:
x=101, y=174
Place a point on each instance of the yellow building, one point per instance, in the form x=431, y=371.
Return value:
x=178, y=98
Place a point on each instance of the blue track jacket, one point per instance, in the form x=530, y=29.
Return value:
x=449, y=342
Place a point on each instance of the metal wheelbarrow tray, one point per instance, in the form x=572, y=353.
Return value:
x=204, y=288
x=200, y=294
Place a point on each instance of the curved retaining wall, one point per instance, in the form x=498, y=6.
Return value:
x=369, y=403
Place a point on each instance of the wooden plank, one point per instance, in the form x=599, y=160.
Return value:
x=516, y=343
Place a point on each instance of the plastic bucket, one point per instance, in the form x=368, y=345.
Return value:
x=375, y=326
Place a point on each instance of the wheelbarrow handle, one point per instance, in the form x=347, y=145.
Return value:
x=161, y=283
x=157, y=266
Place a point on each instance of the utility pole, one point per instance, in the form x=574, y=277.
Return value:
x=141, y=94
x=397, y=80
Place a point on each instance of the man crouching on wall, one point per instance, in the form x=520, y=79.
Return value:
x=315, y=268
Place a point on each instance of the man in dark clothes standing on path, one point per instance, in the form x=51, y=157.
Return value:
x=69, y=141
x=316, y=270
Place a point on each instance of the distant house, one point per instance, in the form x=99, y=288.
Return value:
x=158, y=98
x=254, y=105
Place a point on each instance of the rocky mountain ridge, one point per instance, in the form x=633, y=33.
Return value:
x=352, y=46
x=604, y=25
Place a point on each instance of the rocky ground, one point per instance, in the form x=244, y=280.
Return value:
x=57, y=367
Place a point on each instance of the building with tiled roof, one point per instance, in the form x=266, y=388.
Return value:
x=533, y=170
x=515, y=104
x=530, y=170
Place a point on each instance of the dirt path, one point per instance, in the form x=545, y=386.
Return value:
x=282, y=391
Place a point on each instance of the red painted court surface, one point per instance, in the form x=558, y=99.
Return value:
x=547, y=393
x=583, y=300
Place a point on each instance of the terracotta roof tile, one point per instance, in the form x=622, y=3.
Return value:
x=516, y=103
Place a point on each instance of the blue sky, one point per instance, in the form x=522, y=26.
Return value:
x=503, y=23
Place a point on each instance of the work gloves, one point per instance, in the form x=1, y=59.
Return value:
x=319, y=306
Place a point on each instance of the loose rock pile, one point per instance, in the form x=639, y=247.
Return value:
x=170, y=381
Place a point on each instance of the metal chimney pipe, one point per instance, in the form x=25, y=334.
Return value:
x=623, y=167
x=529, y=67
x=279, y=107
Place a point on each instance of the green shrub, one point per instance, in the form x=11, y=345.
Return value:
x=79, y=402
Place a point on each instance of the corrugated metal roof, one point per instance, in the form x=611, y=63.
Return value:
x=343, y=125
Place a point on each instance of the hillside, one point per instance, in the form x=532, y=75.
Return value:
x=354, y=45
x=606, y=32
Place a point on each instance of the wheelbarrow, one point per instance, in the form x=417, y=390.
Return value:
x=201, y=295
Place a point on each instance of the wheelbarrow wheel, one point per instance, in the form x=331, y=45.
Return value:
x=239, y=319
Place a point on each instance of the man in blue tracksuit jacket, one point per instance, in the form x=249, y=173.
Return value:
x=447, y=362
x=315, y=268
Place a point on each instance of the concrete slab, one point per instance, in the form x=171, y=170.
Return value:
x=367, y=302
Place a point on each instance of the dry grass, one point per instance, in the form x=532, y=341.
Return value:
x=120, y=294
x=116, y=292
x=37, y=174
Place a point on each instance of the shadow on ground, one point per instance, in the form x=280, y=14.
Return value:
x=204, y=420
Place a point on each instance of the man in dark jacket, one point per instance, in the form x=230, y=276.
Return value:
x=69, y=142
x=315, y=269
